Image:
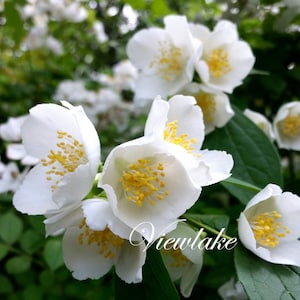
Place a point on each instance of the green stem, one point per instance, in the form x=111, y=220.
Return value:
x=206, y=227
x=241, y=183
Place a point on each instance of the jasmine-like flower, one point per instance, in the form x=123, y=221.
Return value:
x=270, y=227
x=215, y=105
x=179, y=121
x=146, y=183
x=164, y=57
x=91, y=252
x=286, y=126
x=183, y=263
x=226, y=60
x=68, y=147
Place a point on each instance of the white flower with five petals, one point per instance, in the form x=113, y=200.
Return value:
x=164, y=57
x=226, y=60
x=67, y=144
x=146, y=183
x=286, y=126
x=269, y=226
x=179, y=121
x=99, y=241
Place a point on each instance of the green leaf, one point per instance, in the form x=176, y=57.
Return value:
x=18, y=264
x=263, y=280
x=31, y=241
x=136, y=4
x=33, y=292
x=216, y=221
x=53, y=254
x=3, y=250
x=256, y=161
x=10, y=228
x=156, y=282
x=14, y=20
x=5, y=285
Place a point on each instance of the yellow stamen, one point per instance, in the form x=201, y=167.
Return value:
x=170, y=135
x=178, y=259
x=267, y=229
x=70, y=153
x=218, y=63
x=290, y=126
x=109, y=244
x=208, y=105
x=169, y=61
x=142, y=182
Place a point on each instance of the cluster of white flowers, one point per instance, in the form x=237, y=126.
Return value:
x=106, y=104
x=42, y=12
x=169, y=59
x=153, y=180
x=109, y=213
x=10, y=174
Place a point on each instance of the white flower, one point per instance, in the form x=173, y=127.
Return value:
x=214, y=104
x=90, y=252
x=10, y=177
x=286, y=126
x=146, y=183
x=68, y=147
x=179, y=121
x=99, y=32
x=164, y=57
x=232, y=290
x=261, y=121
x=74, y=91
x=16, y=151
x=270, y=226
x=125, y=75
x=183, y=264
x=54, y=45
x=11, y=130
x=226, y=60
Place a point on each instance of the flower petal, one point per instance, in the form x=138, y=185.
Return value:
x=219, y=163
x=130, y=262
x=84, y=261
x=39, y=201
x=98, y=215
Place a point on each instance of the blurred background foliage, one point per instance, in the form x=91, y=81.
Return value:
x=32, y=266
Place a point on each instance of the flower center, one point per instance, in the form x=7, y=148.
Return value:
x=267, y=229
x=69, y=155
x=109, y=244
x=170, y=135
x=169, y=61
x=143, y=182
x=290, y=126
x=208, y=105
x=218, y=63
x=178, y=259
